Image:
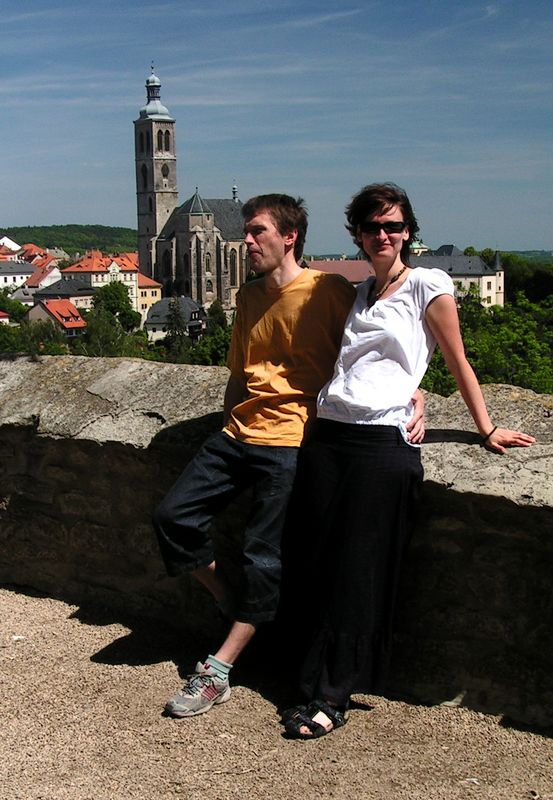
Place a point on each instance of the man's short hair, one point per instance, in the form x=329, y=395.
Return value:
x=289, y=215
x=375, y=199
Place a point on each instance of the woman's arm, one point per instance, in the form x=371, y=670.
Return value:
x=443, y=320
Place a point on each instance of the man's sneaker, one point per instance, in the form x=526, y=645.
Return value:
x=202, y=690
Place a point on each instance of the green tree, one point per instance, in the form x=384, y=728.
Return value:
x=216, y=316
x=42, y=337
x=212, y=349
x=114, y=298
x=104, y=335
x=10, y=339
x=77, y=238
x=512, y=345
x=177, y=341
x=470, y=251
x=488, y=256
x=14, y=308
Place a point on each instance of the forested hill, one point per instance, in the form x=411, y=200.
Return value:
x=76, y=238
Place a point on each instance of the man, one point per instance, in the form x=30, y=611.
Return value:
x=286, y=336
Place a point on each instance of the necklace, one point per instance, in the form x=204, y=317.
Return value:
x=389, y=283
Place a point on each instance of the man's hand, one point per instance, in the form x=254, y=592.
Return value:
x=415, y=426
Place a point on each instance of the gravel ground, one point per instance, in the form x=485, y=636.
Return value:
x=81, y=700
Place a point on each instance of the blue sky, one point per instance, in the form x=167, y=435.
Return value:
x=451, y=100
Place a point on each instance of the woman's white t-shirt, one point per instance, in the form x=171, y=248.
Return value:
x=384, y=354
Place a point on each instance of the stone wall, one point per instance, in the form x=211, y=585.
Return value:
x=88, y=446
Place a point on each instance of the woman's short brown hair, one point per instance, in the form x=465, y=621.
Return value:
x=378, y=198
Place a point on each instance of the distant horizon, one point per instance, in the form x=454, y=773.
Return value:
x=308, y=252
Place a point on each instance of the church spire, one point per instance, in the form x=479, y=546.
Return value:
x=154, y=109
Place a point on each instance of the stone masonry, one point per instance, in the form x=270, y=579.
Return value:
x=89, y=446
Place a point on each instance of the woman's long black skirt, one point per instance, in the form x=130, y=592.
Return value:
x=351, y=517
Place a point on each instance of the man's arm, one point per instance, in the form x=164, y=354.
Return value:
x=234, y=394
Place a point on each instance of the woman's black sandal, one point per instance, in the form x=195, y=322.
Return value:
x=302, y=717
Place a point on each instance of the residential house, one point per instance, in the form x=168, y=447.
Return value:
x=58, y=253
x=77, y=290
x=150, y=294
x=98, y=270
x=7, y=254
x=157, y=321
x=14, y=274
x=46, y=273
x=5, y=241
x=4, y=318
x=467, y=271
x=62, y=313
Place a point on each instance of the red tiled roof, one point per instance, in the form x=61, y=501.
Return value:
x=65, y=313
x=30, y=251
x=45, y=260
x=353, y=270
x=3, y=315
x=132, y=258
x=38, y=275
x=144, y=282
x=95, y=261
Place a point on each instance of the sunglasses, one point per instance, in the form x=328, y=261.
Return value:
x=374, y=228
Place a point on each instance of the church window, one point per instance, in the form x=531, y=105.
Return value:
x=148, y=142
x=150, y=205
x=208, y=263
x=209, y=286
x=144, y=176
x=160, y=140
x=167, y=141
x=141, y=142
x=233, y=270
x=165, y=171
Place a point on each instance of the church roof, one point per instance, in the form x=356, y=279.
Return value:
x=195, y=205
x=154, y=108
x=228, y=217
x=226, y=213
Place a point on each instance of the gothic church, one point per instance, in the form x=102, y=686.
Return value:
x=196, y=249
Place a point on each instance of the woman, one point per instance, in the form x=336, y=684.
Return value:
x=359, y=475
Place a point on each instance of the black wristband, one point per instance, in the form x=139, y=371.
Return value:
x=485, y=438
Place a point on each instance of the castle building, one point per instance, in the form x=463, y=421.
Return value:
x=197, y=249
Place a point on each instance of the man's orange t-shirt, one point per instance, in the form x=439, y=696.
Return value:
x=285, y=342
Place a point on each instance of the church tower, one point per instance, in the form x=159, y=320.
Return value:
x=156, y=172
